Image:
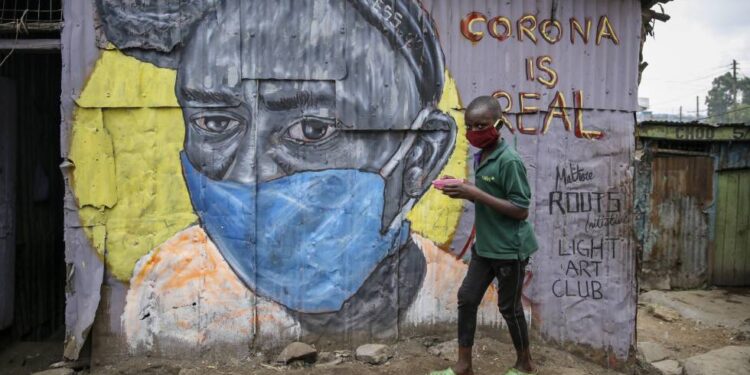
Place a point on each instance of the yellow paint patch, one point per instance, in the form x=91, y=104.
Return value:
x=436, y=216
x=92, y=154
x=98, y=235
x=127, y=177
x=119, y=81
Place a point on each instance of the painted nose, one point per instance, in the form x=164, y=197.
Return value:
x=244, y=166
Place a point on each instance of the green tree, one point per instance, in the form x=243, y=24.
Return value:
x=722, y=106
x=743, y=85
x=739, y=113
x=719, y=98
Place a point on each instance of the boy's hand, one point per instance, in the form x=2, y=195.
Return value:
x=464, y=190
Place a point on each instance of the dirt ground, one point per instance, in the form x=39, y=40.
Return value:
x=411, y=357
x=27, y=357
x=684, y=337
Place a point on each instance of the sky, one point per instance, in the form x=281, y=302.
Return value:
x=697, y=44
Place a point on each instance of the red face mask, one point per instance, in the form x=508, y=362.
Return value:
x=483, y=138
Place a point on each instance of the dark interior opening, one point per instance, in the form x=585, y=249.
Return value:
x=704, y=147
x=39, y=267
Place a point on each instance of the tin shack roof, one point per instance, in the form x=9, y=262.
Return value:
x=693, y=131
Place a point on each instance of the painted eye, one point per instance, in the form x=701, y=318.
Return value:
x=216, y=123
x=311, y=130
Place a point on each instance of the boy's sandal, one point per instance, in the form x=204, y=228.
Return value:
x=448, y=371
x=515, y=371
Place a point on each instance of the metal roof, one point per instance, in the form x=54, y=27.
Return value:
x=692, y=123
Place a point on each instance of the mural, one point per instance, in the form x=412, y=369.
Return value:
x=295, y=211
x=257, y=171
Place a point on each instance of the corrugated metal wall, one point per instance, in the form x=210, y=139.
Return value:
x=679, y=231
x=606, y=74
x=84, y=267
x=731, y=262
x=732, y=267
x=584, y=272
x=689, y=206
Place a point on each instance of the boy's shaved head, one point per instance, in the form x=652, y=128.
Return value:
x=484, y=105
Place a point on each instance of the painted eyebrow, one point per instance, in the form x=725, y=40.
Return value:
x=285, y=100
x=208, y=97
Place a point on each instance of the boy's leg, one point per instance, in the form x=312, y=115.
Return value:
x=510, y=276
x=478, y=278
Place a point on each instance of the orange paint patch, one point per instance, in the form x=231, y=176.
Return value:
x=185, y=290
x=450, y=272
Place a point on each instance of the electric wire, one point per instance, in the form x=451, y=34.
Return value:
x=724, y=113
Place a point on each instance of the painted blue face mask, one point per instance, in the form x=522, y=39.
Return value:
x=308, y=240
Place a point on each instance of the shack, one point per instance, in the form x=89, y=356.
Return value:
x=216, y=159
x=692, y=204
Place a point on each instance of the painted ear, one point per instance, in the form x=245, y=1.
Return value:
x=152, y=31
x=430, y=153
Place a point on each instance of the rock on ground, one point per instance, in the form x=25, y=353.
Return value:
x=664, y=313
x=729, y=360
x=447, y=350
x=374, y=354
x=669, y=367
x=56, y=371
x=297, y=351
x=652, y=352
x=328, y=359
x=345, y=354
x=569, y=371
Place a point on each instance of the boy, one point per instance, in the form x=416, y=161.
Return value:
x=504, y=239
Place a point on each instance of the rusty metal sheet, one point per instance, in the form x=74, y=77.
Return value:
x=678, y=233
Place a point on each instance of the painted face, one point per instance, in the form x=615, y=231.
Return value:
x=290, y=151
x=257, y=116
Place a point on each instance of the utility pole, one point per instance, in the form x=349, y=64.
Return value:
x=680, y=113
x=697, y=108
x=734, y=76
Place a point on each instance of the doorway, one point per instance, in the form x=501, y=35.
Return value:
x=32, y=251
x=678, y=224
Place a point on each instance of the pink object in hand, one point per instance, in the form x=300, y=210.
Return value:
x=440, y=184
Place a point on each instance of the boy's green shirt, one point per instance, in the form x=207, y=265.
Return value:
x=503, y=176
